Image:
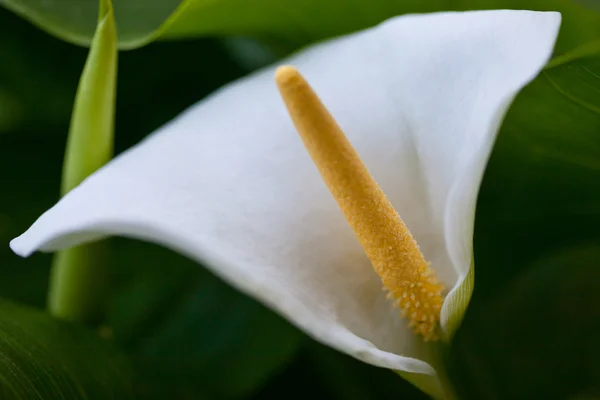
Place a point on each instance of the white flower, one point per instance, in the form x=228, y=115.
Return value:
x=229, y=183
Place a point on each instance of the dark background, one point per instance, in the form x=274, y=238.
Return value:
x=531, y=331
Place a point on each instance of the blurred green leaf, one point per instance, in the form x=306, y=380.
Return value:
x=591, y=3
x=348, y=378
x=185, y=326
x=294, y=23
x=540, y=335
x=43, y=358
x=541, y=187
x=10, y=111
x=38, y=77
x=319, y=371
x=31, y=175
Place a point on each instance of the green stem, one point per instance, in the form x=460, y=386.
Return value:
x=79, y=283
x=79, y=277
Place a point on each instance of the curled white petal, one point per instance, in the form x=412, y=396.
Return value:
x=229, y=184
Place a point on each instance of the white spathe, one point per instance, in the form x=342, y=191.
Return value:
x=229, y=183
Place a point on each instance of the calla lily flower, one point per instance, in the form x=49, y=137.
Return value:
x=229, y=183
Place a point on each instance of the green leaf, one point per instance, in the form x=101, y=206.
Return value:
x=43, y=358
x=295, y=23
x=346, y=378
x=187, y=328
x=539, y=338
x=590, y=3
x=75, y=21
x=38, y=77
x=541, y=188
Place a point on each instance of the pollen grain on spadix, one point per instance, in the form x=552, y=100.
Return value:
x=394, y=253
